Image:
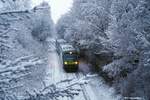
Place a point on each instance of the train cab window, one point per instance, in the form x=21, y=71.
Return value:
x=70, y=56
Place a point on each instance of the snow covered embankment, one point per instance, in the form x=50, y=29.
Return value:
x=22, y=53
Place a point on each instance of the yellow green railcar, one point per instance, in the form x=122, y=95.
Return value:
x=69, y=56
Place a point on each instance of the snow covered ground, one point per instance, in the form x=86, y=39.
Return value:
x=29, y=78
x=94, y=89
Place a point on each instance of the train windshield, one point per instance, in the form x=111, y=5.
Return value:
x=68, y=56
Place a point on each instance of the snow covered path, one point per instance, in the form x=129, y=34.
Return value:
x=94, y=90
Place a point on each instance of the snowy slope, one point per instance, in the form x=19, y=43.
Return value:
x=22, y=55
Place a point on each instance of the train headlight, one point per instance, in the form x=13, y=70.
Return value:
x=65, y=63
x=76, y=62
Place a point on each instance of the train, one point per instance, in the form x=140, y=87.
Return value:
x=69, y=55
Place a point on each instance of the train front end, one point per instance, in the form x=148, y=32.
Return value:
x=70, y=61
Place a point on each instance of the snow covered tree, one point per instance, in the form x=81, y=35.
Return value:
x=21, y=52
x=118, y=26
x=9, y=5
x=42, y=22
x=129, y=37
x=85, y=25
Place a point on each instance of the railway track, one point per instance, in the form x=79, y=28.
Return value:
x=58, y=74
x=90, y=91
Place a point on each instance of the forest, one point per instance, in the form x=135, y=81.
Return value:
x=113, y=37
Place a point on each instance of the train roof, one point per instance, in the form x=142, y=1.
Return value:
x=67, y=47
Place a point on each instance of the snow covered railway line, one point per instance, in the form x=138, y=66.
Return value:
x=58, y=76
x=74, y=85
x=83, y=94
x=87, y=91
